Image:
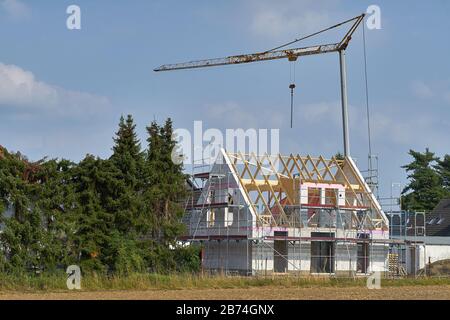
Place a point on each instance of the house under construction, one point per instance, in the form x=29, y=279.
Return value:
x=286, y=214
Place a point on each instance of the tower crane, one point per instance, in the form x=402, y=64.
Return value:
x=291, y=55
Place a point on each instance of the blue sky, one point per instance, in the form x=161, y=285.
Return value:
x=79, y=82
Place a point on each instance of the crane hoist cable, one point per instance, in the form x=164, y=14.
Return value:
x=292, y=87
x=367, y=96
x=292, y=59
x=290, y=53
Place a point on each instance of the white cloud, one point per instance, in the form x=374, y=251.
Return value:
x=421, y=90
x=447, y=97
x=390, y=125
x=415, y=129
x=20, y=89
x=321, y=111
x=437, y=90
x=16, y=9
x=236, y=116
x=276, y=19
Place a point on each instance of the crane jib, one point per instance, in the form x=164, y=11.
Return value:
x=254, y=57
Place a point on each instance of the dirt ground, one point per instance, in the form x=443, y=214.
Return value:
x=275, y=293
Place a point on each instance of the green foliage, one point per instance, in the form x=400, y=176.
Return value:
x=124, y=255
x=339, y=156
x=150, y=281
x=187, y=259
x=164, y=184
x=426, y=187
x=93, y=181
x=443, y=169
x=110, y=216
x=128, y=159
x=28, y=240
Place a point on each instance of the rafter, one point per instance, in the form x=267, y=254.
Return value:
x=272, y=186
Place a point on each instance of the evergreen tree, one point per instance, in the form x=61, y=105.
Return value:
x=164, y=188
x=165, y=182
x=153, y=173
x=28, y=241
x=174, y=183
x=119, y=215
x=339, y=156
x=91, y=229
x=56, y=200
x=425, y=189
x=99, y=241
x=127, y=154
x=443, y=169
x=128, y=159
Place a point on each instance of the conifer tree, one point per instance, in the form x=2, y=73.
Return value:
x=28, y=243
x=128, y=159
x=165, y=181
x=127, y=154
x=118, y=215
x=93, y=224
x=443, y=169
x=425, y=188
x=56, y=200
x=164, y=188
x=174, y=182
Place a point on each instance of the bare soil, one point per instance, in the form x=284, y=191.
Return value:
x=270, y=293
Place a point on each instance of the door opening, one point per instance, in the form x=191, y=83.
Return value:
x=280, y=252
x=363, y=253
x=362, y=257
x=322, y=252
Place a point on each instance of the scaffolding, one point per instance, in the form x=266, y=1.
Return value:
x=260, y=215
x=371, y=174
x=407, y=233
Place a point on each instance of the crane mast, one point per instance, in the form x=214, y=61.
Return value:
x=291, y=55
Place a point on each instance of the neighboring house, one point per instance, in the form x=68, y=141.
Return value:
x=425, y=237
x=438, y=221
